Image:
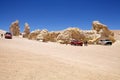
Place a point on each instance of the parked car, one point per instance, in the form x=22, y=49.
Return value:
x=105, y=42
x=8, y=35
x=76, y=42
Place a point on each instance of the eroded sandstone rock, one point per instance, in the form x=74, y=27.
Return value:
x=43, y=36
x=26, y=30
x=71, y=33
x=14, y=28
x=103, y=31
x=33, y=35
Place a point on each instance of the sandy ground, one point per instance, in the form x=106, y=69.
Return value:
x=22, y=59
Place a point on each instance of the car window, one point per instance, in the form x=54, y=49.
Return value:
x=107, y=40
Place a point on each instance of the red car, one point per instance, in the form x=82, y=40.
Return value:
x=8, y=35
x=76, y=42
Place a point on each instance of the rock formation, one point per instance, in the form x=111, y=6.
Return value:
x=90, y=34
x=101, y=27
x=61, y=36
x=43, y=35
x=15, y=29
x=103, y=31
x=26, y=30
x=100, y=31
x=33, y=35
x=53, y=36
x=71, y=33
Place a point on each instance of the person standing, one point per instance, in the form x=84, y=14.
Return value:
x=1, y=35
x=85, y=43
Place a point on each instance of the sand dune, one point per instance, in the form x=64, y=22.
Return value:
x=22, y=59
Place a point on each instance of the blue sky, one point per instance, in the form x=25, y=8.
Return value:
x=59, y=14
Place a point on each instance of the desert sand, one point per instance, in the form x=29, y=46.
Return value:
x=23, y=59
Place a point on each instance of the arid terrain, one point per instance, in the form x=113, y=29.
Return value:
x=23, y=59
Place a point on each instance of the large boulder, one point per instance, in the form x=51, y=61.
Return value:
x=33, y=35
x=90, y=34
x=43, y=36
x=26, y=30
x=103, y=31
x=71, y=33
x=14, y=28
x=53, y=36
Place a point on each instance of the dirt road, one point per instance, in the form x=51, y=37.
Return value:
x=22, y=59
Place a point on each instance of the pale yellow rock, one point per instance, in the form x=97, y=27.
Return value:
x=69, y=34
x=53, y=36
x=43, y=35
x=15, y=29
x=26, y=30
x=103, y=31
x=33, y=35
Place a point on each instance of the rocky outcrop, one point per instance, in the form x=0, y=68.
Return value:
x=99, y=27
x=71, y=33
x=61, y=36
x=15, y=29
x=90, y=34
x=53, y=36
x=103, y=31
x=43, y=36
x=99, y=31
x=26, y=30
x=33, y=35
x=47, y=36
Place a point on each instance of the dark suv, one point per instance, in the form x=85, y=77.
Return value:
x=8, y=35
